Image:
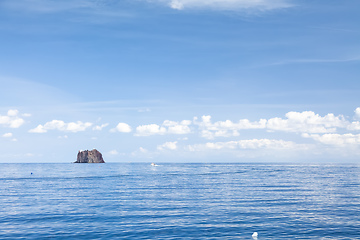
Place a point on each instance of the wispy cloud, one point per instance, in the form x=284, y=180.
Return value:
x=47, y=6
x=316, y=60
x=103, y=9
x=232, y=5
x=110, y=8
x=113, y=152
x=100, y=127
x=7, y=135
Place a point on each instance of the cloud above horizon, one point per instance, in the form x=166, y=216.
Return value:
x=12, y=119
x=248, y=144
x=61, y=126
x=7, y=135
x=336, y=139
x=122, y=127
x=168, y=146
x=225, y=128
x=100, y=127
x=167, y=127
x=357, y=113
x=307, y=121
x=296, y=132
x=296, y=122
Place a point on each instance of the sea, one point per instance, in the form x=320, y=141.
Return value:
x=179, y=201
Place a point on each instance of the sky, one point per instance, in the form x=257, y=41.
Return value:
x=180, y=80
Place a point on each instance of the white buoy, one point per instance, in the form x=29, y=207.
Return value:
x=255, y=235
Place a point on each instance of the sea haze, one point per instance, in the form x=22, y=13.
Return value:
x=179, y=201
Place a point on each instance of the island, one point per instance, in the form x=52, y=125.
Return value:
x=93, y=156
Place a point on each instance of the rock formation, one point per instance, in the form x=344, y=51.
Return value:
x=93, y=156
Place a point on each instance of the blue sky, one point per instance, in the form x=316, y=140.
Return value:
x=180, y=80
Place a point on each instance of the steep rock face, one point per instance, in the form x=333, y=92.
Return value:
x=93, y=156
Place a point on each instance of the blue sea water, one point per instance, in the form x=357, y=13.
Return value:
x=179, y=201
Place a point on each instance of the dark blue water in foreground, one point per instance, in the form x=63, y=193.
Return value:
x=179, y=201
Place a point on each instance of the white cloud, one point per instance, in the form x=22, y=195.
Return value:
x=39, y=129
x=248, y=144
x=295, y=122
x=11, y=119
x=307, y=121
x=168, y=127
x=143, y=150
x=225, y=128
x=229, y=125
x=113, y=152
x=357, y=113
x=12, y=113
x=122, y=127
x=299, y=122
x=354, y=126
x=253, y=144
x=336, y=139
x=167, y=145
x=100, y=127
x=177, y=128
x=7, y=135
x=148, y=130
x=61, y=126
x=234, y=5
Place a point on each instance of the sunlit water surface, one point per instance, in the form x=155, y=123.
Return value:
x=179, y=201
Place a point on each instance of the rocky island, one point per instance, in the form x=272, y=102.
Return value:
x=93, y=156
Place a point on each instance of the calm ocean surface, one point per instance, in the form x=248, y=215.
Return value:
x=179, y=201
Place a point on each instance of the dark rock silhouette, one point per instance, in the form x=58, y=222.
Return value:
x=93, y=156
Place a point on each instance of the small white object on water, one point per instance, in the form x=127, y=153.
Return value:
x=255, y=235
x=153, y=164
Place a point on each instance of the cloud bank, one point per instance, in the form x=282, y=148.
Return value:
x=296, y=132
x=296, y=122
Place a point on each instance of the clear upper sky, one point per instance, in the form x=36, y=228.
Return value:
x=180, y=80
